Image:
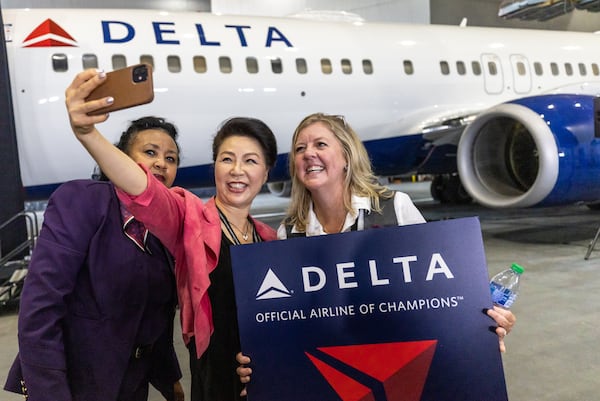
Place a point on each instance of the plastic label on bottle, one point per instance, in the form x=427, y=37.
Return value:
x=502, y=296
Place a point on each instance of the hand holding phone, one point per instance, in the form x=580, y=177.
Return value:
x=129, y=86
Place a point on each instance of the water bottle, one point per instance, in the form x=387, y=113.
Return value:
x=505, y=286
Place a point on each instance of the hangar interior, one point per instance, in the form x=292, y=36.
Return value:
x=550, y=352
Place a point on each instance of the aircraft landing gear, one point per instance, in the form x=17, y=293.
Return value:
x=447, y=188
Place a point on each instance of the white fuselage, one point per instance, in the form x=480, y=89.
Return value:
x=208, y=68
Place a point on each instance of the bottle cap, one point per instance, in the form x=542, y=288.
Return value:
x=517, y=268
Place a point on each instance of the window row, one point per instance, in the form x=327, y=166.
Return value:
x=521, y=68
x=60, y=64
x=326, y=65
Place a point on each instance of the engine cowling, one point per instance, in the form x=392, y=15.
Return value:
x=535, y=151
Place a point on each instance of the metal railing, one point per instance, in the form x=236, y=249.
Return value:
x=32, y=233
x=13, y=272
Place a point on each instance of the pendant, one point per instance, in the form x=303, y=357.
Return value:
x=245, y=237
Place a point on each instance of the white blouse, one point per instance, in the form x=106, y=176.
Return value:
x=406, y=213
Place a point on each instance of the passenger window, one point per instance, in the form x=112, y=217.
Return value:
x=89, y=61
x=569, y=69
x=408, y=67
x=252, y=65
x=367, y=67
x=460, y=68
x=444, y=67
x=276, y=65
x=595, y=69
x=346, y=66
x=326, y=66
x=147, y=59
x=174, y=63
x=225, y=65
x=301, y=66
x=492, y=68
x=521, y=68
x=60, y=62
x=200, y=64
x=476, y=67
x=119, y=61
x=554, y=69
x=582, y=70
x=537, y=67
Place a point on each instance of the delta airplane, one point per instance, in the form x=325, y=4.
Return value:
x=512, y=115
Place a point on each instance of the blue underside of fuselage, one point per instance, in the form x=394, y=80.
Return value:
x=390, y=156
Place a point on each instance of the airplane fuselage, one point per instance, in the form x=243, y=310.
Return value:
x=393, y=83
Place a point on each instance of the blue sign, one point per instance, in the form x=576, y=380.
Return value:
x=386, y=314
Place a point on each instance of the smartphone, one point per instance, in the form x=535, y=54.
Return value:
x=129, y=86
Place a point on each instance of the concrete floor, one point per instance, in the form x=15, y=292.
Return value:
x=552, y=353
x=553, y=350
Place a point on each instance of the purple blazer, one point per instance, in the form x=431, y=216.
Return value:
x=91, y=296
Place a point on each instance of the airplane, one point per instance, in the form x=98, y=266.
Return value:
x=506, y=117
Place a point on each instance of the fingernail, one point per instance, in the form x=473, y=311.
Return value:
x=101, y=73
x=110, y=99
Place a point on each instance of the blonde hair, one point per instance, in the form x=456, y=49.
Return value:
x=360, y=179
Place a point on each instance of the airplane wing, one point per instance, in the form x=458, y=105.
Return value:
x=447, y=131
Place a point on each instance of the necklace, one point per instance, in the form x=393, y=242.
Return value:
x=245, y=233
x=230, y=226
x=342, y=226
x=334, y=232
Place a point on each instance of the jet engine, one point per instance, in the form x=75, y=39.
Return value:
x=535, y=151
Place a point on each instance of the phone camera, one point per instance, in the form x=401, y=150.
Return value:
x=140, y=73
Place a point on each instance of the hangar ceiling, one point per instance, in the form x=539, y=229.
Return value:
x=477, y=12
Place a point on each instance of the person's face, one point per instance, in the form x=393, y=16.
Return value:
x=319, y=158
x=240, y=171
x=156, y=150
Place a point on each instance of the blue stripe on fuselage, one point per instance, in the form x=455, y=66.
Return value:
x=390, y=156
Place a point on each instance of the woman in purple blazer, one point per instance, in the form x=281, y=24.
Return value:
x=97, y=308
